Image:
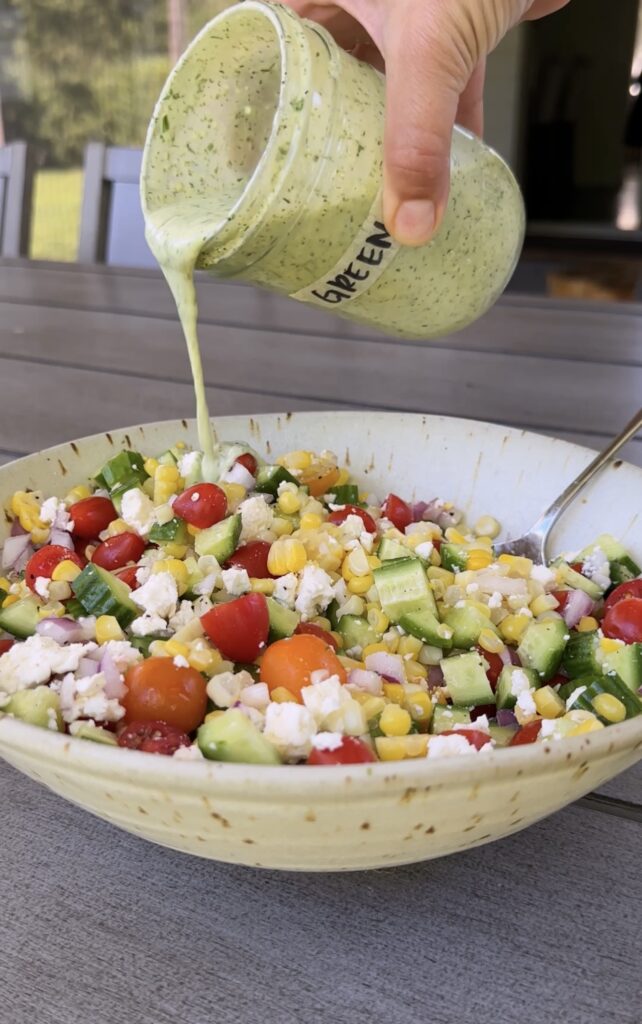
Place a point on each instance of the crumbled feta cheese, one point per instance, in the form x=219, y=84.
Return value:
x=138, y=511
x=41, y=586
x=384, y=525
x=85, y=698
x=367, y=541
x=192, y=753
x=255, y=695
x=163, y=514
x=146, y=563
x=449, y=746
x=291, y=728
x=425, y=550
x=180, y=661
x=285, y=589
x=340, y=590
x=495, y=600
x=37, y=659
x=549, y=729
x=52, y=719
x=596, y=568
x=256, y=518
x=333, y=706
x=315, y=591
x=519, y=682
x=525, y=703
x=189, y=463
x=236, y=581
x=54, y=512
x=577, y=692
x=205, y=586
x=122, y=654
x=158, y=596
x=351, y=528
x=542, y=574
x=327, y=741
x=146, y=624
x=225, y=688
x=182, y=617
x=472, y=588
x=526, y=612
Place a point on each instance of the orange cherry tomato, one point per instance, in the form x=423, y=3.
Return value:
x=290, y=663
x=157, y=689
x=320, y=480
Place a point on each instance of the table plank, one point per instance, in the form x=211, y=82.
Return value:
x=98, y=926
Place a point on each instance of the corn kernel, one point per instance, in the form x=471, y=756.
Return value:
x=589, y=725
x=66, y=571
x=235, y=494
x=175, y=649
x=157, y=649
x=487, y=526
x=262, y=586
x=166, y=482
x=607, y=644
x=52, y=608
x=587, y=624
x=192, y=630
x=372, y=706
x=395, y=721
x=609, y=707
x=513, y=627
x=543, y=603
x=517, y=566
x=374, y=562
x=354, y=564
x=211, y=716
x=193, y=530
x=108, y=628
x=420, y=707
x=175, y=568
x=394, y=692
x=482, y=608
x=478, y=559
x=377, y=619
x=282, y=527
x=78, y=493
x=150, y=466
x=490, y=642
x=453, y=536
x=9, y=600
x=392, y=641
x=203, y=657
x=283, y=696
x=349, y=663
x=289, y=503
x=310, y=521
x=59, y=591
x=360, y=584
x=415, y=670
x=409, y=645
x=173, y=550
x=343, y=478
x=25, y=506
x=296, y=460
x=287, y=554
x=374, y=649
x=398, y=748
x=549, y=704
x=4, y=583
x=484, y=542
x=117, y=526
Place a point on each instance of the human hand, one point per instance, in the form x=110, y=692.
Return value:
x=434, y=55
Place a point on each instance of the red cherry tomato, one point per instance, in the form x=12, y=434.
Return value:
x=81, y=545
x=6, y=645
x=558, y=680
x=342, y=514
x=495, y=666
x=527, y=734
x=577, y=566
x=623, y=621
x=91, y=516
x=253, y=558
x=351, y=751
x=249, y=462
x=153, y=737
x=239, y=628
x=397, y=511
x=115, y=552
x=310, y=629
x=476, y=737
x=437, y=544
x=561, y=596
x=128, y=576
x=202, y=505
x=631, y=589
x=160, y=691
x=45, y=561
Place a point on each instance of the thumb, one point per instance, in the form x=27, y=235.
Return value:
x=423, y=86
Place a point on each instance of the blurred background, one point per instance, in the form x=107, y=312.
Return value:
x=563, y=106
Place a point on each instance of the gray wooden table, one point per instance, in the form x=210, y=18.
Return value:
x=97, y=927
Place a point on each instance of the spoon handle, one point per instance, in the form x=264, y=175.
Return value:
x=550, y=516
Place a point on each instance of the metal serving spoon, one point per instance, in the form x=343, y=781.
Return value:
x=533, y=544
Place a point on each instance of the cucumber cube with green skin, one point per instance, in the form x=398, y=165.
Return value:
x=269, y=479
x=345, y=494
x=168, y=458
x=589, y=687
x=34, y=706
x=232, y=737
x=454, y=557
x=74, y=609
x=173, y=532
x=626, y=663
x=85, y=731
x=124, y=471
x=403, y=587
x=502, y=734
x=466, y=680
x=623, y=567
x=446, y=716
x=576, y=581
x=581, y=655
x=102, y=593
x=221, y=539
x=283, y=621
x=466, y=624
x=508, y=687
x=542, y=646
x=390, y=549
x=21, y=618
x=356, y=632
x=423, y=625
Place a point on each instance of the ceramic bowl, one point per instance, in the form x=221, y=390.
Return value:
x=367, y=816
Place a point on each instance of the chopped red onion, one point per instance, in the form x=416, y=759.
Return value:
x=86, y=667
x=418, y=509
x=15, y=550
x=363, y=679
x=506, y=717
x=62, y=538
x=390, y=666
x=577, y=606
x=114, y=684
x=63, y=630
x=17, y=530
x=435, y=677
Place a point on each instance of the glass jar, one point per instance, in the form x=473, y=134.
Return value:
x=266, y=150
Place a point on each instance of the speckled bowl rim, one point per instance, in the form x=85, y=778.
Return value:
x=304, y=782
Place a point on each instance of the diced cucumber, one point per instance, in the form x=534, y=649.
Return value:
x=466, y=624
x=542, y=646
x=173, y=532
x=86, y=731
x=195, y=475
x=623, y=567
x=168, y=458
x=422, y=624
x=446, y=716
x=122, y=473
x=331, y=613
x=232, y=737
x=356, y=632
x=102, y=593
x=390, y=549
x=143, y=643
x=220, y=540
x=403, y=587
x=509, y=680
x=626, y=663
x=454, y=557
x=466, y=680
x=622, y=571
x=74, y=609
x=21, y=618
x=576, y=581
x=502, y=734
x=33, y=706
x=269, y=479
x=283, y=621
x=345, y=494
x=594, y=685
x=581, y=655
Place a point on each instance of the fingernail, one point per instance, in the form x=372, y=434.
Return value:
x=414, y=222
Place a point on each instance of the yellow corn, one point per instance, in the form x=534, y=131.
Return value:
x=490, y=642
x=420, y=707
x=377, y=618
x=203, y=657
x=212, y=715
x=59, y=591
x=395, y=721
x=482, y=608
x=287, y=554
x=4, y=583
x=9, y=600
x=289, y=502
x=444, y=576
x=398, y=748
x=310, y=521
x=549, y=704
x=167, y=482
x=117, y=526
x=235, y=494
x=394, y=692
x=27, y=510
x=356, y=563
x=65, y=571
x=192, y=630
x=180, y=444
x=343, y=478
x=108, y=628
x=193, y=530
x=587, y=624
x=150, y=466
x=513, y=627
x=392, y=643
x=543, y=603
x=409, y=645
x=484, y=542
x=262, y=586
x=609, y=707
x=517, y=566
x=607, y=644
x=478, y=558
x=173, y=550
x=175, y=568
x=591, y=724
x=349, y=663
x=158, y=649
x=282, y=527
x=372, y=706
x=487, y=526
x=453, y=536
x=415, y=670
x=296, y=460
x=360, y=584
x=374, y=649
x=78, y=493
x=283, y=696
x=175, y=649
x=52, y=608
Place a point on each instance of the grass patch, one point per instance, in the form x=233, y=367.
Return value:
x=56, y=215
